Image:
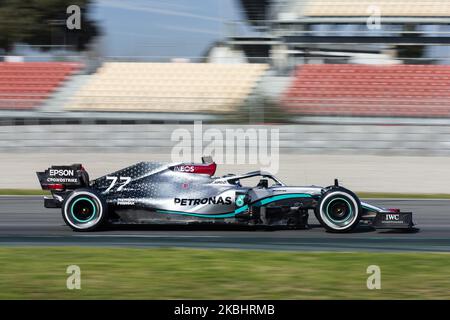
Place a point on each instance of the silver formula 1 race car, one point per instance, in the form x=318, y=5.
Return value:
x=184, y=193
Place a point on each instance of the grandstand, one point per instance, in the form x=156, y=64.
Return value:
x=313, y=70
x=338, y=67
x=362, y=90
x=168, y=87
x=388, y=8
x=25, y=86
x=347, y=11
x=300, y=64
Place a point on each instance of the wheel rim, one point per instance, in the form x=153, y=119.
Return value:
x=83, y=210
x=340, y=211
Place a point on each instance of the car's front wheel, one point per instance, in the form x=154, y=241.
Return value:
x=84, y=210
x=339, y=210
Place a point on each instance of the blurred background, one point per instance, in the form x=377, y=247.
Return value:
x=357, y=89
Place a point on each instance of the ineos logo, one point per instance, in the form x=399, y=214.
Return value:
x=60, y=172
x=184, y=168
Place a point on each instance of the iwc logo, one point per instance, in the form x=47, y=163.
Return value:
x=392, y=217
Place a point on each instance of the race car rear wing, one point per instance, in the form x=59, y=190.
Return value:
x=60, y=178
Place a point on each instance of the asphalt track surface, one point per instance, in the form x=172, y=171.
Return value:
x=25, y=222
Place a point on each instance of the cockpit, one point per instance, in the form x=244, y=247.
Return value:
x=266, y=180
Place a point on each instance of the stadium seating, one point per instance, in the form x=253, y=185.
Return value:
x=363, y=90
x=24, y=86
x=167, y=87
x=388, y=8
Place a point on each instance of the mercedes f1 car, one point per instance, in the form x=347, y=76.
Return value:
x=162, y=193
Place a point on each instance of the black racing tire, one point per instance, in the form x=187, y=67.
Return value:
x=339, y=210
x=84, y=210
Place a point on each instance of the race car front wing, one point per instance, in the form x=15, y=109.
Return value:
x=393, y=220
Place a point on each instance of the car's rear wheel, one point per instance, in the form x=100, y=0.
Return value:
x=339, y=210
x=84, y=210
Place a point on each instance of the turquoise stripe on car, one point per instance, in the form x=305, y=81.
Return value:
x=219, y=215
x=282, y=197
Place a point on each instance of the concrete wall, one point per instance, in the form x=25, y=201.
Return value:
x=358, y=172
x=293, y=139
x=364, y=158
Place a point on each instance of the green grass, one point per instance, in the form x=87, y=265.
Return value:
x=23, y=192
x=166, y=273
x=364, y=195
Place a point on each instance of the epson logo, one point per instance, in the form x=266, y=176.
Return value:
x=196, y=202
x=392, y=217
x=61, y=172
